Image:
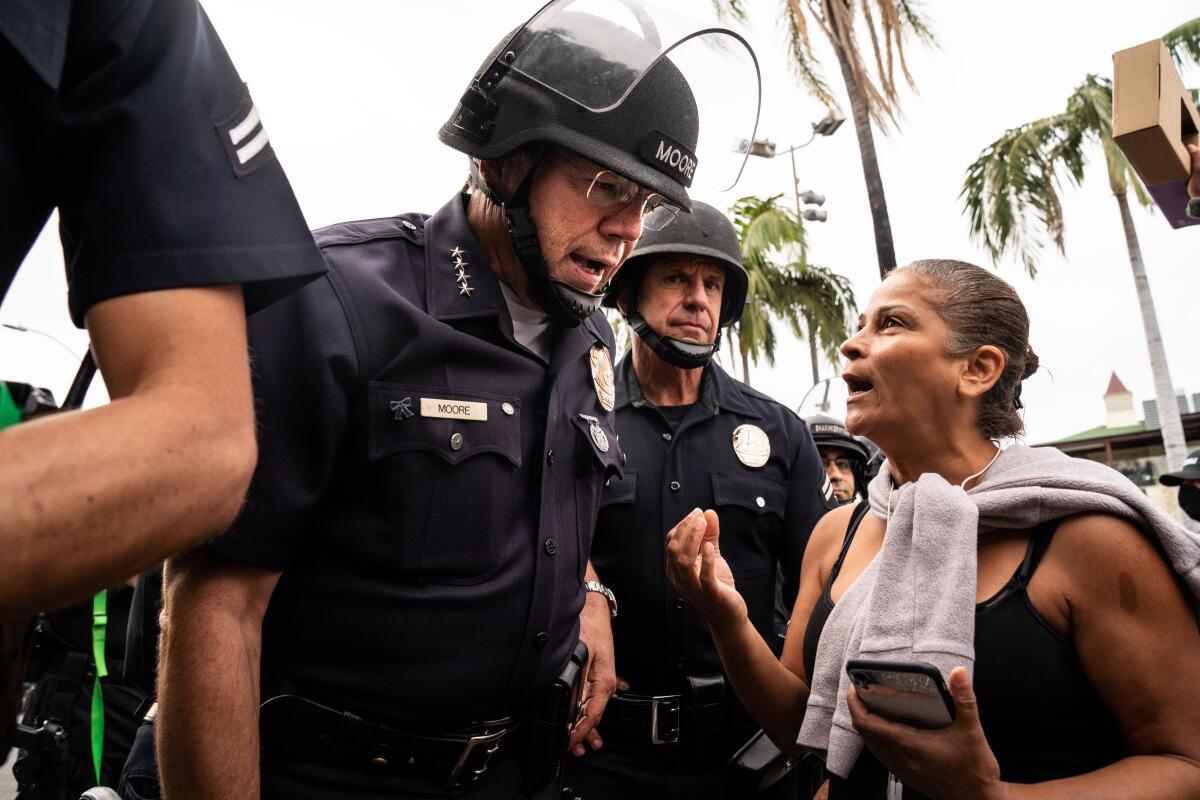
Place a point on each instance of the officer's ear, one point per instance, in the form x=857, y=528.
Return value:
x=505, y=174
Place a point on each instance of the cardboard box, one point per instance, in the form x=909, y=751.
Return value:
x=1153, y=118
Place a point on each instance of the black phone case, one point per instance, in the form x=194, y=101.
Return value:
x=907, y=667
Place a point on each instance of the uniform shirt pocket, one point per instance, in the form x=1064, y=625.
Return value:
x=446, y=486
x=752, y=509
x=619, y=489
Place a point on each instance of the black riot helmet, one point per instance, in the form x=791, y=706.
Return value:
x=831, y=432
x=619, y=85
x=706, y=233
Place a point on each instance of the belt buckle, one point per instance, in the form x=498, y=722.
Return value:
x=664, y=719
x=491, y=741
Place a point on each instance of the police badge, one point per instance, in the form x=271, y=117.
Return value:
x=751, y=445
x=602, y=377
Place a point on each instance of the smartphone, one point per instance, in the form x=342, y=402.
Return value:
x=909, y=692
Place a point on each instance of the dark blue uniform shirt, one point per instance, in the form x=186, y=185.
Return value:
x=432, y=567
x=128, y=116
x=767, y=514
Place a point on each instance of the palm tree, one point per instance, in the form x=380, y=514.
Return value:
x=815, y=302
x=1011, y=195
x=888, y=24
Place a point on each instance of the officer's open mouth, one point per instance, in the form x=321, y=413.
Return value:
x=590, y=265
x=857, y=386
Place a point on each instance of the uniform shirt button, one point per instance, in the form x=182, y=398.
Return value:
x=507, y=408
x=456, y=441
x=674, y=486
x=540, y=640
x=550, y=457
x=666, y=437
x=638, y=403
x=551, y=547
x=408, y=225
x=761, y=503
x=679, y=604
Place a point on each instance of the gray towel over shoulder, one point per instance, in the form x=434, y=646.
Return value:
x=916, y=599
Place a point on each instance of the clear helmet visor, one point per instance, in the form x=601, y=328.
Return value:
x=624, y=41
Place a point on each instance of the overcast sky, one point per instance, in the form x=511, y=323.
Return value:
x=352, y=94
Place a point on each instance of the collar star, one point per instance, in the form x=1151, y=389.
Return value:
x=464, y=289
x=456, y=252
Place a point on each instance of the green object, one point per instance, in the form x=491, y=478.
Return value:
x=10, y=412
x=99, y=629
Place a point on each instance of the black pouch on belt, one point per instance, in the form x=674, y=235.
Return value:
x=554, y=713
x=704, y=718
x=758, y=766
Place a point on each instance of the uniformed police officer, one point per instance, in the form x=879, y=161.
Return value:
x=844, y=455
x=175, y=218
x=693, y=436
x=436, y=425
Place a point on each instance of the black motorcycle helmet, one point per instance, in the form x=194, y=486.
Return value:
x=649, y=136
x=828, y=431
x=708, y=233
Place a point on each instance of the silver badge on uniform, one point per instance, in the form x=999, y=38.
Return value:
x=751, y=445
x=602, y=377
x=599, y=438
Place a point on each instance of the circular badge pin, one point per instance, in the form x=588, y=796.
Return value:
x=602, y=377
x=751, y=445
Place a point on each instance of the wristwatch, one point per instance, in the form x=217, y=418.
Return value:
x=600, y=588
x=1193, y=208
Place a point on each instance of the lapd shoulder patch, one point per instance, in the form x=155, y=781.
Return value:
x=669, y=157
x=244, y=138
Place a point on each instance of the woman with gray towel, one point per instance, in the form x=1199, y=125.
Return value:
x=1053, y=596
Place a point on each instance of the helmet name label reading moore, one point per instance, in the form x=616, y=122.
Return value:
x=669, y=157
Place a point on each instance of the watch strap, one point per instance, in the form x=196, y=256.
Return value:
x=600, y=588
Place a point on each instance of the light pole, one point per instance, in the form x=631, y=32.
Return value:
x=765, y=148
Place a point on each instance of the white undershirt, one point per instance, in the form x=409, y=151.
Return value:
x=531, y=327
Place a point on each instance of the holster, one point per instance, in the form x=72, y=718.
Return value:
x=704, y=712
x=553, y=715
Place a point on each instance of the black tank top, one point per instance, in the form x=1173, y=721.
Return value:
x=1040, y=714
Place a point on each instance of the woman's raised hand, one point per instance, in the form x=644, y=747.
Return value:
x=699, y=573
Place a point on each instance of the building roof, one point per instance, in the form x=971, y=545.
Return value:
x=1102, y=432
x=1115, y=386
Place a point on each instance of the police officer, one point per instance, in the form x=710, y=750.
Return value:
x=436, y=426
x=175, y=218
x=693, y=436
x=844, y=455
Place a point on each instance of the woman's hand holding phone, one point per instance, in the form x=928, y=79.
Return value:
x=950, y=762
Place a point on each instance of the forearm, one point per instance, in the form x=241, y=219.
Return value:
x=1133, y=778
x=774, y=696
x=208, y=694
x=96, y=496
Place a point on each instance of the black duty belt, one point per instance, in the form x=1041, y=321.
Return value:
x=635, y=715
x=295, y=727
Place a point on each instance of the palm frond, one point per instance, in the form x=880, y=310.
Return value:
x=1183, y=43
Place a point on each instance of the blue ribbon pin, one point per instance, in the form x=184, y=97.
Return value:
x=402, y=408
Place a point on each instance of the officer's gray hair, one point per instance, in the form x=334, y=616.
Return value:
x=981, y=309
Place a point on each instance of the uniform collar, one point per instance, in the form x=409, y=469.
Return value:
x=38, y=31
x=718, y=391
x=449, y=238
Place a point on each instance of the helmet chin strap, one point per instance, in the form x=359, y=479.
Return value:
x=566, y=306
x=676, y=352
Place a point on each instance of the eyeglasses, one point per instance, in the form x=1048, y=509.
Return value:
x=843, y=464
x=609, y=191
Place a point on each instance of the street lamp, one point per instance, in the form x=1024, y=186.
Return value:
x=765, y=148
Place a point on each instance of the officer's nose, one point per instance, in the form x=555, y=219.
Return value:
x=625, y=223
x=854, y=347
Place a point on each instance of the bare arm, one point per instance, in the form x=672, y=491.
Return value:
x=208, y=689
x=96, y=496
x=1140, y=647
x=773, y=691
